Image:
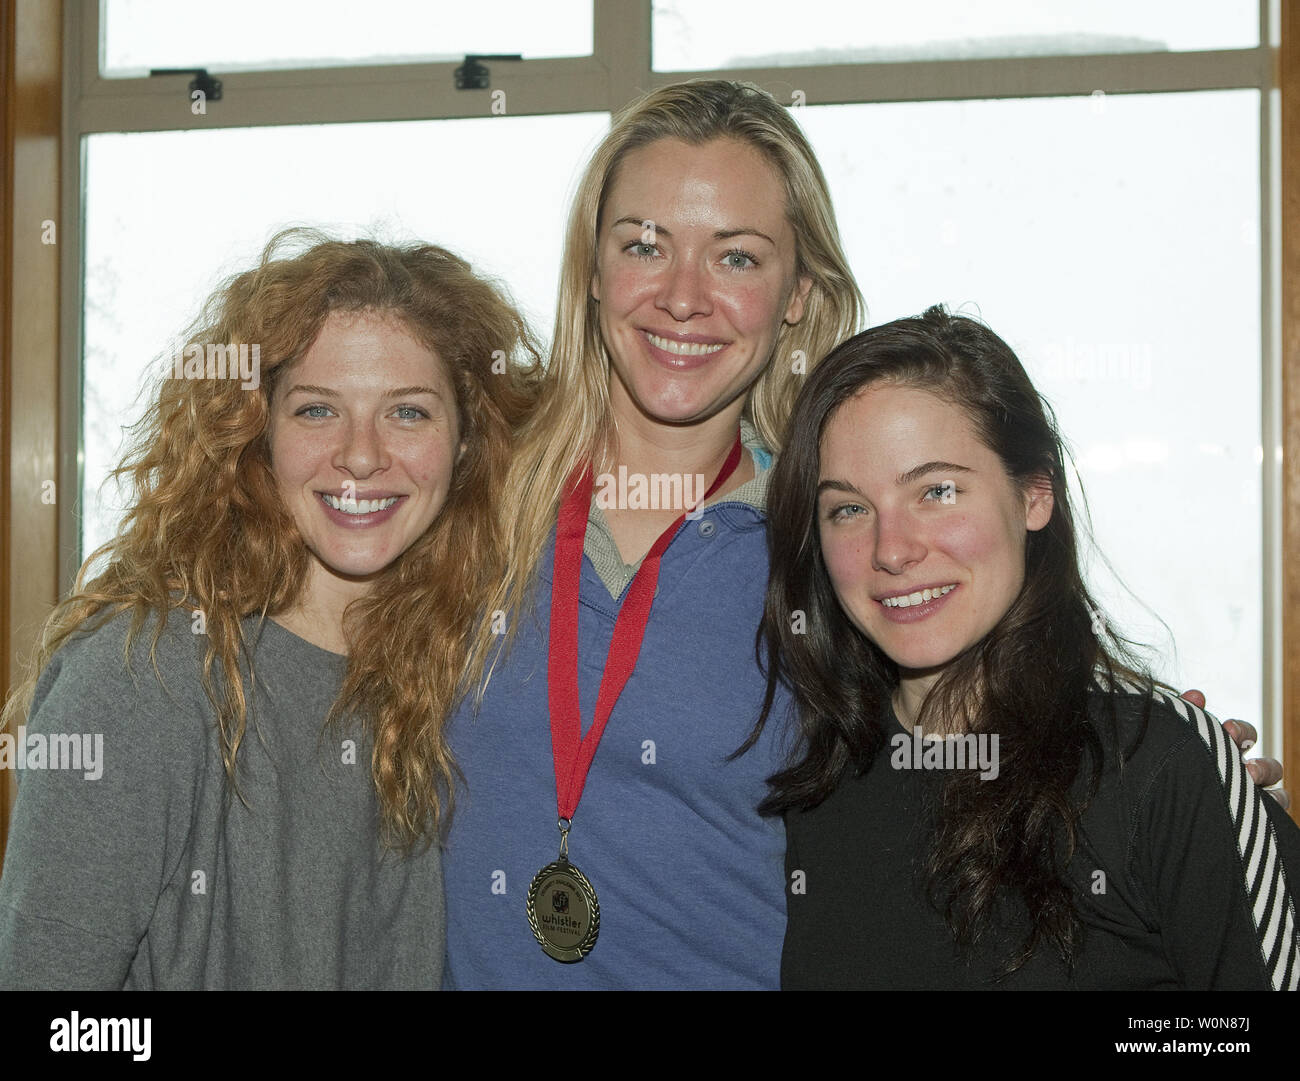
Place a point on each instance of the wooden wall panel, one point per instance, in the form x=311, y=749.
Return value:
x=29, y=333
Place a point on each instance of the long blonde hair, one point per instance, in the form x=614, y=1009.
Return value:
x=208, y=531
x=572, y=423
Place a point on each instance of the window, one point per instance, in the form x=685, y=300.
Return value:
x=691, y=36
x=1119, y=255
x=248, y=35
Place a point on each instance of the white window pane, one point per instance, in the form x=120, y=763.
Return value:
x=169, y=215
x=248, y=34
x=692, y=35
x=1114, y=243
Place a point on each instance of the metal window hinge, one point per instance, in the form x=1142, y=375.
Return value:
x=472, y=75
x=202, y=81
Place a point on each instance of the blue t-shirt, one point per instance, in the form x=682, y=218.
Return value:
x=690, y=879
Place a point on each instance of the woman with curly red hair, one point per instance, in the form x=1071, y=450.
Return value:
x=266, y=651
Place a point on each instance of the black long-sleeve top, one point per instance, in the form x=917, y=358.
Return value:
x=1180, y=876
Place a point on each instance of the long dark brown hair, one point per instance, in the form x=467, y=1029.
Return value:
x=992, y=840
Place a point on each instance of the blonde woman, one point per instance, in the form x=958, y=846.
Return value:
x=270, y=644
x=608, y=837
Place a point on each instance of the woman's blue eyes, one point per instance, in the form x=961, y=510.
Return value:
x=320, y=412
x=935, y=493
x=749, y=260
x=736, y=259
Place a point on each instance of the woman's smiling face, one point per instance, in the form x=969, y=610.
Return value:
x=922, y=531
x=364, y=438
x=695, y=274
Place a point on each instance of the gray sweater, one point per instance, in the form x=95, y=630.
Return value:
x=127, y=866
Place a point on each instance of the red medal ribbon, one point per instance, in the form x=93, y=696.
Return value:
x=573, y=752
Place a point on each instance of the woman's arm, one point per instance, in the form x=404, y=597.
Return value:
x=94, y=819
x=1221, y=865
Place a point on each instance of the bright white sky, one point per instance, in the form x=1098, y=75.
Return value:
x=688, y=34
x=143, y=34
x=700, y=34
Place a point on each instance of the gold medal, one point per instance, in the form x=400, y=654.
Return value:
x=562, y=908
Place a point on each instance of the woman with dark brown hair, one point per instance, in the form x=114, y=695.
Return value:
x=988, y=790
x=259, y=664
